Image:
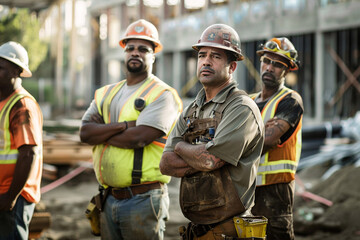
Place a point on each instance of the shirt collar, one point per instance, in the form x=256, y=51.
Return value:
x=219, y=98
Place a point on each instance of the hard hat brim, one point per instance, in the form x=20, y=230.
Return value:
x=26, y=71
x=158, y=45
x=239, y=56
x=293, y=66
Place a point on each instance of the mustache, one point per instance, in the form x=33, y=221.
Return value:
x=269, y=75
x=136, y=59
x=207, y=68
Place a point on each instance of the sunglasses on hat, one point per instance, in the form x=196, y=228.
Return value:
x=274, y=47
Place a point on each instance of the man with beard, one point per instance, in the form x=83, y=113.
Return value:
x=281, y=109
x=128, y=123
x=216, y=144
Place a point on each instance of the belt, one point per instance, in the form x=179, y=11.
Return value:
x=129, y=192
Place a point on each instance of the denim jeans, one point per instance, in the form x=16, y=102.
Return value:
x=14, y=224
x=141, y=217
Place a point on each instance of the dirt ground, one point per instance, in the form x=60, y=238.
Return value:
x=68, y=202
x=313, y=221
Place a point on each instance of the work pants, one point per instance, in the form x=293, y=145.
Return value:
x=275, y=202
x=141, y=217
x=14, y=224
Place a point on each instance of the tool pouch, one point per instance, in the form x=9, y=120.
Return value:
x=93, y=214
x=94, y=209
x=209, y=197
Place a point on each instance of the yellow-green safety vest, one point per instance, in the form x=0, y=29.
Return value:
x=115, y=166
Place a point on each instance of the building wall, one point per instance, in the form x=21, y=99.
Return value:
x=317, y=29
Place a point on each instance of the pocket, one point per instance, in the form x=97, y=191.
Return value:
x=202, y=191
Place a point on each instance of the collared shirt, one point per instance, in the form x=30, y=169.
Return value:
x=238, y=139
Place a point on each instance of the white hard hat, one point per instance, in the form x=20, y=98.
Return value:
x=15, y=53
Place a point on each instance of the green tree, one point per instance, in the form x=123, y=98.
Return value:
x=23, y=27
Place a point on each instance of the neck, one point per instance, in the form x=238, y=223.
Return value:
x=212, y=91
x=135, y=78
x=268, y=92
x=6, y=91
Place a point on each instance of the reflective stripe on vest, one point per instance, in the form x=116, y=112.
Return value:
x=8, y=155
x=281, y=169
x=105, y=155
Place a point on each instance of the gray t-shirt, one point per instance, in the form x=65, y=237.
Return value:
x=160, y=114
x=238, y=139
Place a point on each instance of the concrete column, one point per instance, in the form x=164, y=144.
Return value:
x=59, y=61
x=319, y=76
x=178, y=70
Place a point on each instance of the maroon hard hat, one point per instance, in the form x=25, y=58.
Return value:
x=220, y=36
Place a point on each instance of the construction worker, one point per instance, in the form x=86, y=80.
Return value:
x=216, y=144
x=127, y=123
x=281, y=109
x=20, y=143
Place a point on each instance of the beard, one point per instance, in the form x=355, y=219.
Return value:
x=269, y=80
x=135, y=69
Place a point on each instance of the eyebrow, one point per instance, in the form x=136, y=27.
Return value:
x=211, y=53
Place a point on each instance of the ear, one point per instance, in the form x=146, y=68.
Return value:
x=232, y=67
x=153, y=58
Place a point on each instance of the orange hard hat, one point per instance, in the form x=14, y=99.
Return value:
x=142, y=29
x=282, y=47
x=220, y=36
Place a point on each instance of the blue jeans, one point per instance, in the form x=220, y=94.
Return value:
x=14, y=224
x=141, y=217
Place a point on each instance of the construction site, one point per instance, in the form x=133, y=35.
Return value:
x=84, y=54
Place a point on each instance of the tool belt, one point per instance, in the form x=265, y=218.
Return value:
x=229, y=229
x=129, y=192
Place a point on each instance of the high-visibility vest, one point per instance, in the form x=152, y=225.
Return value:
x=8, y=155
x=279, y=164
x=119, y=167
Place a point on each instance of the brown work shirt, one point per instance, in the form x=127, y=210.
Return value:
x=238, y=139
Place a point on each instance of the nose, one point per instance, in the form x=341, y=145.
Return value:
x=270, y=67
x=135, y=52
x=206, y=61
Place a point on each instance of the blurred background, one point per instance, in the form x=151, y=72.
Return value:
x=73, y=47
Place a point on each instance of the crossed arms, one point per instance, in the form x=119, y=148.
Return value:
x=121, y=134
x=188, y=159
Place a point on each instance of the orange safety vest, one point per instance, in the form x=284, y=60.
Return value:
x=9, y=155
x=279, y=165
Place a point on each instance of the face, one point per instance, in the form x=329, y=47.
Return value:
x=213, y=68
x=8, y=72
x=273, y=69
x=139, y=56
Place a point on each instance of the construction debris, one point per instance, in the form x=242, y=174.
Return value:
x=327, y=202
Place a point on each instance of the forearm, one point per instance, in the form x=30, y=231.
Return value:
x=98, y=133
x=198, y=157
x=173, y=165
x=21, y=174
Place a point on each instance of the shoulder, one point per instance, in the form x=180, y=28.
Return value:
x=242, y=100
x=292, y=99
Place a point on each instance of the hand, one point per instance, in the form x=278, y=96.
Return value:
x=97, y=118
x=6, y=204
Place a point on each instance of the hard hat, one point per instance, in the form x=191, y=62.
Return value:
x=282, y=47
x=142, y=29
x=220, y=36
x=15, y=53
